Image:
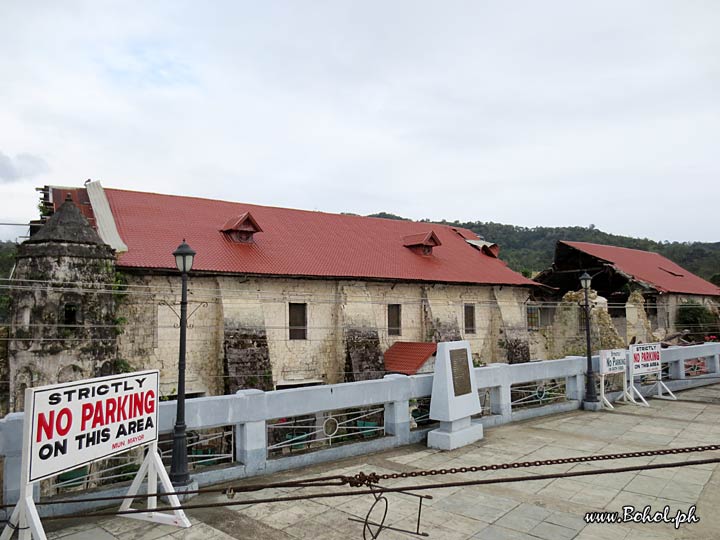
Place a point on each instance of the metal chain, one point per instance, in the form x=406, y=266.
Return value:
x=363, y=479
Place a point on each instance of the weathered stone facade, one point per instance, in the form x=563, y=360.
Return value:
x=63, y=306
x=239, y=334
x=4, y=372
x=566, y=336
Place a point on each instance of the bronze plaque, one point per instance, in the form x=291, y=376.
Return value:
x=460, y=372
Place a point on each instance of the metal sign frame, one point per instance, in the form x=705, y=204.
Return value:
x=659, y=384
x=25, y=517
x=606, y=355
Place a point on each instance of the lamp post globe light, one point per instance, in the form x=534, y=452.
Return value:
x=590, y=392
x=179, y=476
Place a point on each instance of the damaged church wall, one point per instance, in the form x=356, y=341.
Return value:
x=637, y=323
x=364, y=323
x=150, y=337
x=258, y=308
x=513, y=337
x=60, y=333
x=566, y=337
x=347, y=323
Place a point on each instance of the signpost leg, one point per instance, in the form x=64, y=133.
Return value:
x=635, y=391
x=603, y=398
x=626, y=396
x=153, y=467
x=25, y=518
x=662, y=386
x=12, y=522
x=152, y=482
x=32, y=519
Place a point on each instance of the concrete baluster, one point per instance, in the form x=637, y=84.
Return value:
x=251, y=437
x=397, y=413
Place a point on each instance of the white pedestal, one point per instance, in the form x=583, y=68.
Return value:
x=454, y=398
x=451, y=435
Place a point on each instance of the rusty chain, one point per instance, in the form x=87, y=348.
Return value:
x=373, y=479
x=363, y=479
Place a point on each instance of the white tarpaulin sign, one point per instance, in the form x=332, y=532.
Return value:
x=645, y=358
x=80, y=422
x=73, y=424
x=612, y=361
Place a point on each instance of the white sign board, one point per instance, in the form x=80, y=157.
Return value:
x=645, y=359
x=76, y=423
x=612, y=361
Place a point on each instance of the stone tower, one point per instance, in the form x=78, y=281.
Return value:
x=62, y=305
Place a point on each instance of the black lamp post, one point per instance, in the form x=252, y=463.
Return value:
x=590, y=392
x=179, y=475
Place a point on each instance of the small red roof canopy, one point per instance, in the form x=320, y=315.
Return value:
x=651, y=268
x=407, y=357
x=428, y=239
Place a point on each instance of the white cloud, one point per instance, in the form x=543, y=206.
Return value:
x=22, y=166
x=528, y=113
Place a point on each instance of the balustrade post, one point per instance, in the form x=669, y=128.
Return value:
x=251, y=439
x=11, y=443
x=500, y=402
x=676, y=369
x=713, y=363
x=575, y=387
x=397, y=413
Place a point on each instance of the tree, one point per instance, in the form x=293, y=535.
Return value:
x=698, y=319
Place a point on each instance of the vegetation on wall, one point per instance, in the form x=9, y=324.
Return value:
x=7, y=260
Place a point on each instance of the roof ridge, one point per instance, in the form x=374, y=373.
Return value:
x=315, y=212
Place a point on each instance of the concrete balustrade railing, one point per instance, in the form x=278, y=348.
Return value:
x=249, y=412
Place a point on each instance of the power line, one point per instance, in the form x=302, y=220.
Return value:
x=225, y=293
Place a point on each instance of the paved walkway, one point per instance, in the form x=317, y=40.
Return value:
x=546, y=509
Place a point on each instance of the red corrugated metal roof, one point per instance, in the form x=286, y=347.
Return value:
x=651, y=268
x=294, y=242
x=408, y=356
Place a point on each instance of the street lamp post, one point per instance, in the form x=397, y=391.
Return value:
x=179, y=475
x=590, y=392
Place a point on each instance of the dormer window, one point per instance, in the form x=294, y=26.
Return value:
x=422, y=243
x=241, y=228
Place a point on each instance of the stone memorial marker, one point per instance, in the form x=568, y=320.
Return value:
x=454, y=398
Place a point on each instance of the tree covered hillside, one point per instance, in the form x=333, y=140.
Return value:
x=531, y=250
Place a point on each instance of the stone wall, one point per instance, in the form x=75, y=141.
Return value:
x=364, y=357
x=567, y=336
x=240, y=336
x=238, y=333
x=151, y=337
x=638, y=328
x=246, y=360
x=4, y=372
x=43, y=348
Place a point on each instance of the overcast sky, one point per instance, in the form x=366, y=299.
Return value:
x=530, y=113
